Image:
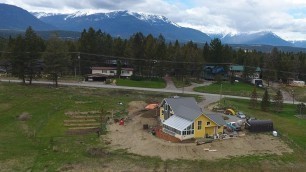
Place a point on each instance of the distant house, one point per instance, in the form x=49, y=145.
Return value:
x=211, y=71
x=112, y=71
x=182, y=118
x=102, y=73
x=238, y=70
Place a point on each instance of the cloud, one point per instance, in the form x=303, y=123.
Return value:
x=285, y=17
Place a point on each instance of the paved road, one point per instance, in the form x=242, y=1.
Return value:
x=208, y=97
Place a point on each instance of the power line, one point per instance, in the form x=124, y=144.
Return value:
x=151, y=60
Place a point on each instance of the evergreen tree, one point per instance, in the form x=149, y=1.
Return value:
x=265, y=102
x=278, y=101
x=301, y=109
x=56, y=58
x=26, y=55
x=216, y=48
x=206, y=52
x=17, y=57
x=33, y=46
x=119, y=68
x=253, y=100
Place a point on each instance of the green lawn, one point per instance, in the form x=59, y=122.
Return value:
x=180, y=82
x=145, y=84
x=299, y=92
x=236, y=89
x=40, y=143
x=289, y=126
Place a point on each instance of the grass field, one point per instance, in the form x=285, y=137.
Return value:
x=40, y=142
x=180, y=82
x=146, y=84
x=236, y=89
x=299, y=92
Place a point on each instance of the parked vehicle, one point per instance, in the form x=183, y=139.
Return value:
x=241, y=115
x=257, y=82
x=234, y=126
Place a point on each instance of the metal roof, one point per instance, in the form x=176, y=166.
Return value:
x=185, y=107
x=217, y=118
x=177, y=122
x=236, y=68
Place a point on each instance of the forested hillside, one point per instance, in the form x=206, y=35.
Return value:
x=31, y=56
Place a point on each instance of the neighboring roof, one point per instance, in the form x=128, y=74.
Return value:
x=110, y=68
x=2, y=69
x=258, y=69
x=178, y=122
x=217, y=118
x=185, y=107
x=151, y=106
x=236, y=68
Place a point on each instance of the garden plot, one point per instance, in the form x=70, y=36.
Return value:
x=83, y=122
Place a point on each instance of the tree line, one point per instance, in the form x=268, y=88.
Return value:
x=28, y=56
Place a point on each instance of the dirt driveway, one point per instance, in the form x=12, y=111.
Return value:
x=132, y=137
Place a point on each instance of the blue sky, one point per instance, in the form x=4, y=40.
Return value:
x=286, y=18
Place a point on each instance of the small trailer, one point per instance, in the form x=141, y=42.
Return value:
x=259, y=125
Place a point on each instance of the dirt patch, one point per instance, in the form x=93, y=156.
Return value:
x=72, y=113
x=300, y=116
x=82, y=102
x=25, y=116
x=80, y=123
x=136, y=140
x=150, y=113
x=98, y=152
x=136, y=106
x=82, y=131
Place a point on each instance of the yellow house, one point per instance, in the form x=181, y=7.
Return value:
x=184, y=119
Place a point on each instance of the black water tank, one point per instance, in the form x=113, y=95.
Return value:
x=260, y=125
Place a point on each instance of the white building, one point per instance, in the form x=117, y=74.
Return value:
x=112, y=71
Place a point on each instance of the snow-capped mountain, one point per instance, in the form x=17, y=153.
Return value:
x=300, y=43
x=261, y=38
x=124, y=24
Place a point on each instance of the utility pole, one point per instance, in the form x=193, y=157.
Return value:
x=183, y=84
x=79, y=58
x=292, y=91
x=75, y=71
x=220, y=94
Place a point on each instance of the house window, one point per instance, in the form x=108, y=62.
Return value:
x=199, y=125
x=104, y=71
x=124, y=72
x=208, y=123
x=188, y=130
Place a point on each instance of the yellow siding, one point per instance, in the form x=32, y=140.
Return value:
x=220, y=130
x=161, y=116
x=199, y=133
x=210, y=131
x=205, y=129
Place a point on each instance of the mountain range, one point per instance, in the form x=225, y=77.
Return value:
x=125, y=24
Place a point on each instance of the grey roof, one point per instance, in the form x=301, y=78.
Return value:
x=185, y=107
x=217, y=118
